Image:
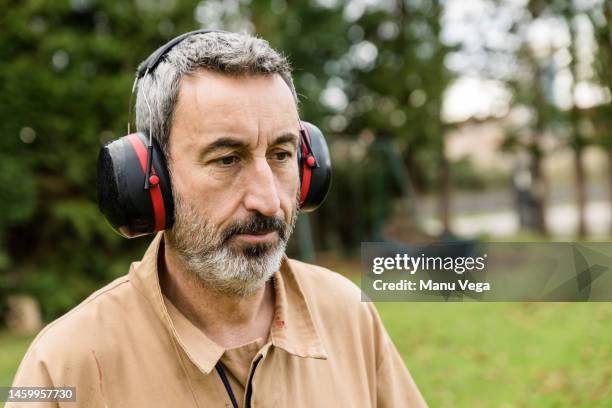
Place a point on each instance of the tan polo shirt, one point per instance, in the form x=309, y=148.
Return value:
x=125, y=346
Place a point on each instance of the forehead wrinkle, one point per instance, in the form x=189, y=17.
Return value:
x=234, y=116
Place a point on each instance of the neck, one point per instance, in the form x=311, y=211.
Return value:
x=228, y=320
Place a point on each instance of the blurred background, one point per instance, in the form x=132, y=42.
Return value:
x=447, y=120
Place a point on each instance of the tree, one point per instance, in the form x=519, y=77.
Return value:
x=398, y=94
x=601, y=20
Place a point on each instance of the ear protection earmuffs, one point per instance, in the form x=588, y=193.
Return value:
x=133, y=183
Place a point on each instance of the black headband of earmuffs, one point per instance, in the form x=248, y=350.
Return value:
x=133, y=183
x=152, y=60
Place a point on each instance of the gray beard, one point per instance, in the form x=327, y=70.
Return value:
x=219, y=267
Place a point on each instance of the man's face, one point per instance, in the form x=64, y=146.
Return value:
x=235, y=177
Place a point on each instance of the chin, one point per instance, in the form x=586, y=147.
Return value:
x=257, y=250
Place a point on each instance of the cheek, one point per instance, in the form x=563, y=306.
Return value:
x=289, y=184
x=216, y=200
x=190, y=180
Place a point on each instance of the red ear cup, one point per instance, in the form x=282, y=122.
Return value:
x=130, y=208
x=315, y=167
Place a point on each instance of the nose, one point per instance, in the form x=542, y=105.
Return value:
x=262, y=194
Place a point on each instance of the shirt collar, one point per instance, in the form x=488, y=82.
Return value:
x=292, y=330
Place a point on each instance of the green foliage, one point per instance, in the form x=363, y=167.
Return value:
x=399, y=95
x=18, y=191
x=66, y=73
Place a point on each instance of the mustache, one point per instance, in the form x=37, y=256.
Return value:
x=256, y=224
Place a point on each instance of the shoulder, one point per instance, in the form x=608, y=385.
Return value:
x=316, y=281
x=330, y=293
x=89, y=326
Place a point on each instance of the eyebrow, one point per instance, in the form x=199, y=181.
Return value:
x=290, y=138
x=222, y=143
x=228, y=142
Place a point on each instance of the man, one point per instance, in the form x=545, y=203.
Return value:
x=215, y=314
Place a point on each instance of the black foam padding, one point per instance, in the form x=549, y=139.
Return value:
x=107, y=194
x=321, y=176
x=121, y=195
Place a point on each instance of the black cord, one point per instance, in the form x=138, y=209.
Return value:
x=226, y=383
x=249, y=390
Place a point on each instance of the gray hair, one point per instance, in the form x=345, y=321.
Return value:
x=224, y=52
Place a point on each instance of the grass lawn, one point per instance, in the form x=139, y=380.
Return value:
x=12, y=349
x=484, y=355
x=506, y=354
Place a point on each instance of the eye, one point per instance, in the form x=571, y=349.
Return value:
x=281, y=156
x=227, y=161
